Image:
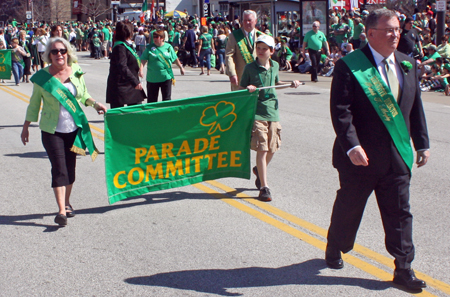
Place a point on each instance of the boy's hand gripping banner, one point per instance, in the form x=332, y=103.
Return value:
x=176, y=143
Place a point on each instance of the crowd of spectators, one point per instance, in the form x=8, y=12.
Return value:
x=203, y=45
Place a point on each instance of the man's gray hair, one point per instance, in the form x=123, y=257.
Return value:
x=252, y=12
x=71, y=56
x=376, y=15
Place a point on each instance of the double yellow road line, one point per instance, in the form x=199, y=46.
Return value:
x=275, y=217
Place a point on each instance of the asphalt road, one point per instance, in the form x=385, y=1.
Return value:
x=213, y=238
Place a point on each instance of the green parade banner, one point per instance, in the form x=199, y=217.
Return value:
x=5, y=64
x=175, y=143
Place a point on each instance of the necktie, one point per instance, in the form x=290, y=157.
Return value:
x=250, y=39
x=392, y=79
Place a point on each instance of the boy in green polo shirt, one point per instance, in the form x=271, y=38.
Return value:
x=266, y=130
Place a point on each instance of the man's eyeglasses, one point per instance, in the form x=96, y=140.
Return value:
x=390, y=30
x=62, y=51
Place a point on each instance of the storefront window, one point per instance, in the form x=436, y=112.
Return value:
x=314, y=11
x=286, y=21
x=264, y=15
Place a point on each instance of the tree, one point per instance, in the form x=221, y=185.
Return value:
x=94, y=8
x=41, y=10
x=60, y=10
x=10, y=9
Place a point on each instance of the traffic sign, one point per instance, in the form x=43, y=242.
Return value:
x=441, y=5
x=29, y=16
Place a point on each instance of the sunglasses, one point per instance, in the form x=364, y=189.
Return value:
x=62, y=51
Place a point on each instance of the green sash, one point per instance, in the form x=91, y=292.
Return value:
x=65, y=97
x=130, y=49
x=244, y=47
x=383, y=101
x=166, y=63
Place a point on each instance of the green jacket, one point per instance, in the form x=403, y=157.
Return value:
x=50, y=108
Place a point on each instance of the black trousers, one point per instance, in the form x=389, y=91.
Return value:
x=315, y=60
x=153, y=91
x=392, y=194
x=63, y=161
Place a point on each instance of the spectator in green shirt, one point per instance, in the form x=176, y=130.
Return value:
x=285, y=55
x=97, y=46
x=205, y=48
x=359, y=28
x=105, y=42
x=428, y=61
x=314, y=41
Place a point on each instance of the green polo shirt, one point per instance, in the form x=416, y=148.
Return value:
x=106, y=34
x=358, y=30
x=351, y=24
x=157, y=68
x=314, y=40
x=259, y=76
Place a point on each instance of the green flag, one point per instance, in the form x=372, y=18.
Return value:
x=5, y=64
x=176, y=143
x=143, y=11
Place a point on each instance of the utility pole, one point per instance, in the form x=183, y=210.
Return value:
x=441, y=7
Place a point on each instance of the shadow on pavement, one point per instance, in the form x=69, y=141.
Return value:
x=17, y=126
x=27, y=220
x=35, y=155
x=217, y=281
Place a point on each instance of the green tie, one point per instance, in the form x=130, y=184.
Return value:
x=392, y=79
x=250, y=39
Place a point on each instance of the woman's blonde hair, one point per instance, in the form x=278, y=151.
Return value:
x=71, y=54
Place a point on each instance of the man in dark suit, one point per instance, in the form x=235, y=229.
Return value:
x=368, y=153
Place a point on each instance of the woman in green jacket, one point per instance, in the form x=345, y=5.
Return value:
x=64, y=127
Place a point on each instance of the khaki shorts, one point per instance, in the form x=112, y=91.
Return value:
x=104, y=45
x=266, y=136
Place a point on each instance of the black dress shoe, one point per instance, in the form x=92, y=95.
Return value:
x=407, y=278
x=333, y=257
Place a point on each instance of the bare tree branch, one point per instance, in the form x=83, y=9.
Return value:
x=94, y=8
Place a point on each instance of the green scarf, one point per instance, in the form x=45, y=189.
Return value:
x=65, y=97
x=130, y=49
x=383, y=101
